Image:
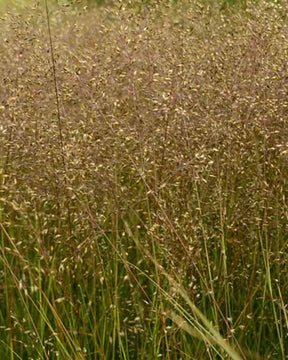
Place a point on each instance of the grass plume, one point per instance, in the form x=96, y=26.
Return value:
x=143, y=174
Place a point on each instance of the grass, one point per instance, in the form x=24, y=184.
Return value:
x=143, y=169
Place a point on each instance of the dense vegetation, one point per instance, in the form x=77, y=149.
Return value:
x=144, y=181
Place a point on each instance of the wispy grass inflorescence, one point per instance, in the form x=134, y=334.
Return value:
x=143, y=181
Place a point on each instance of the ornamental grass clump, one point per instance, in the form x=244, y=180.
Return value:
x=143, y=172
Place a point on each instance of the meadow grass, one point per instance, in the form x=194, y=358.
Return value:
x=143, y=172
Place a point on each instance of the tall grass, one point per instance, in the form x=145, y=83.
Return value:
x=143, y=169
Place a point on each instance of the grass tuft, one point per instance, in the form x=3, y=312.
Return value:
x=143, y=180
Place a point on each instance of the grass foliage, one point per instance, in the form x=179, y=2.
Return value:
x=144, y=181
